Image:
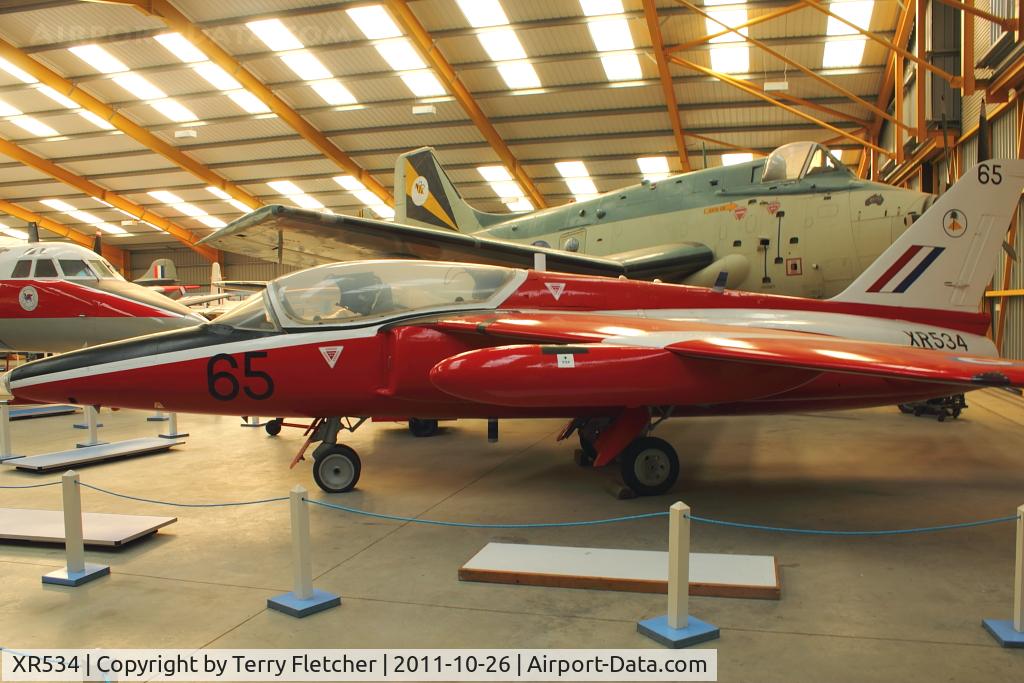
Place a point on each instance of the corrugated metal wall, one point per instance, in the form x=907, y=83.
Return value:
x=1004, y=146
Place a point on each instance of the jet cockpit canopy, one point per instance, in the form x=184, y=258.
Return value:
x=799, y=160
x=358, y=292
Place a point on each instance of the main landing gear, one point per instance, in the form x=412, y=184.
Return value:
x=648, y=465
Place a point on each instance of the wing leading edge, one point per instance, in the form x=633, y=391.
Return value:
x=304, y=238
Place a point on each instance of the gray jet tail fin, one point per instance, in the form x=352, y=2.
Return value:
x=425, y=196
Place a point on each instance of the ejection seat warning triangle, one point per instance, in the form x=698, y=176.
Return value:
x=331, y=354
x=556, y=289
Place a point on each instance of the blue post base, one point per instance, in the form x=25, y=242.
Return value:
x=154, y=418
x=173, y=436
x=696, y=631
x=1002, y=630
x=86, y=445
x=62, y=577
x=254, y=424
x=293, y=606
x=82, y=425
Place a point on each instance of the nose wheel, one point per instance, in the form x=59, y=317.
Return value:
x=336, y=468
x=649, y=466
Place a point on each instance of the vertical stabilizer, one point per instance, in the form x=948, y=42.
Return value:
x=425, y=196
x=946, y=259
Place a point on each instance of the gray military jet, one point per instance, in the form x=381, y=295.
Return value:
x=797, y=222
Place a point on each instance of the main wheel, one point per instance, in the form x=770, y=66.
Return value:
x=274, y=426
x=421, y=428
x=649, y=466
x=336, y=468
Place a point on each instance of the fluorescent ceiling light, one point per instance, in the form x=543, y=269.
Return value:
x=507, y=189
x=333, y=92
x=581, y=187
x=34, y=126
x=306, y=66
x=216, y=76
x=285, y=187
x=842, y=53
x=275, y=35
x=95, y=119
x=374, y=21
x=366, y=197
x=189, y=209
x=249, y=102
x=611, y=34
x=217, y=192
x=857, y=13
x=98, y=58
x=20, y=74
x=502, y=45
x=85, y=217
x=57, y=97
x=211, y=221
x=736, y=158
x=422, y=83
x=400, y=55
x=735, y=60
x=623, y=66
x=653, y=168
x=305, y=201
x=13, y=232
x=8, y=110
x=520, y=205
x=174, y=110
x=494, y=174
x=594, y=8
x=165, y=196
x=58, y=205
x=139, y=87
x=519, y=75
x=572, y=169
x=481, y=13
x=349, y=183
x=181, y=48
x=111, y=228
x=382, y=210
x=734, y=56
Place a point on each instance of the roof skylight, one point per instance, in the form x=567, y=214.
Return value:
x=727, y=57
x=653, y=168
x=359, y=191
x=611, y=35
x=276, y=36
x=376, y=24
x=734, y=158
x=577, y=178
x=847, y=51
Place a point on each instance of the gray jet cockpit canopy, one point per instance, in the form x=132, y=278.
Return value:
x=798, y=160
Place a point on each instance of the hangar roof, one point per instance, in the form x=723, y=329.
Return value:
x=82, y=84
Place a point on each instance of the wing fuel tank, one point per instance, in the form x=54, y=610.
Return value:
x=589, y=375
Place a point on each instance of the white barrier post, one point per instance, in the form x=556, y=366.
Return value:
x=77, y=570
x=678, y=565
x=304, y=599
x=677, y=628
x=93, y=425
x=540, y=262
x=1010, y=632
x=5, y=432
x=172, y=428
x=252, y=421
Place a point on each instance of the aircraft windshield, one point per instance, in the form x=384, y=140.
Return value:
x=251, y=314
x=800, y=160
x=342, y=293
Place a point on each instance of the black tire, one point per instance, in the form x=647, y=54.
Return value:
x=422, y=428
x=274, y=426
x=336, y=468
x=905, y=408
x=586, y=454
x=649, y=466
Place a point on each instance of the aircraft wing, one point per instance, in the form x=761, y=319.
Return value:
x=304, y=238
x=617, y=360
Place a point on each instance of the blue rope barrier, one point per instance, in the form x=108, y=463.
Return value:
x=826, y=532
x=31, y=486
x=182, y=505
x=471, y=525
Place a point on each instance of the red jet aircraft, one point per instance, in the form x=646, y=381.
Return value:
x=449, y=340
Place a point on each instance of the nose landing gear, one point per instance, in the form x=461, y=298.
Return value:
x=336, y=467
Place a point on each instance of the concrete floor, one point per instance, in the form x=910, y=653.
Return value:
x=902, y=608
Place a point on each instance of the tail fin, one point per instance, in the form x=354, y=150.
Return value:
x=160, y=272
x=947, y=257
x=216, y=279
x=425, y=195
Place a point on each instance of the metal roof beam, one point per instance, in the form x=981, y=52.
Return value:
x=175, y=20
x=92, y=189
x=667, y=86
x=419, y=37
x=117, y=256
